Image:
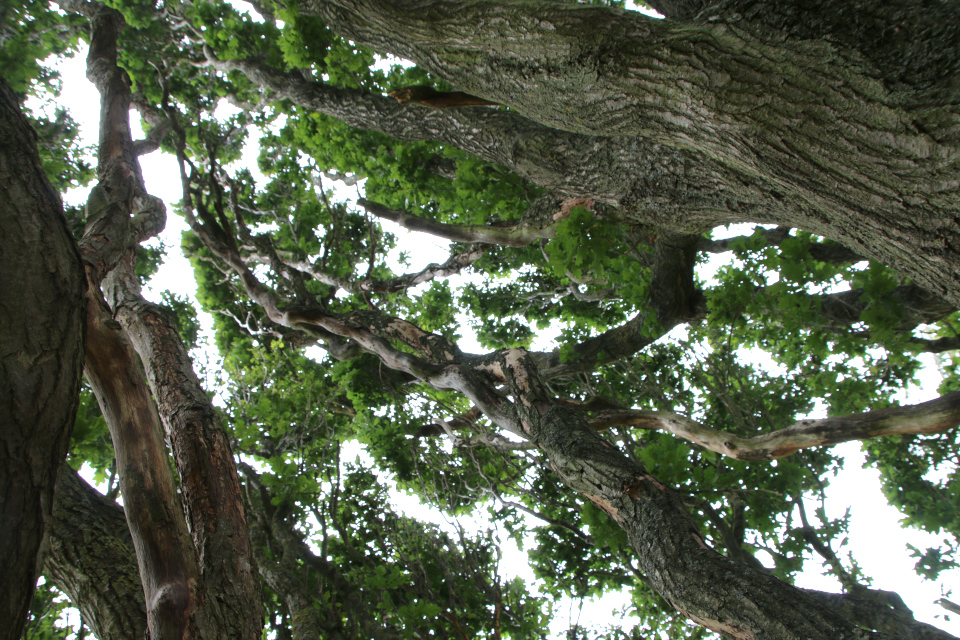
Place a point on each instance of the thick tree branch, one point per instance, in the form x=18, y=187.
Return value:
x=93, y=560
x=110, y=229
x=937, y=345
x=918, y=306
x=179, y=591
x=168, y=565
x=654, y=185
x=868, y=613
x=601, y=72
x=673, y=301
x=832, y=253
x=208, y=479
x=733, y=599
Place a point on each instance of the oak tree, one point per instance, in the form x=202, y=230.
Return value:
x=582, y=161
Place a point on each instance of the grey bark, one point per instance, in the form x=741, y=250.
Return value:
x=41, y=355
x=811, y=125
x=896, y=621
x=93, y=561
x=651, y=184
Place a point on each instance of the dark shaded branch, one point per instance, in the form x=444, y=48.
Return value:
x=823, y=252
x=809, y=534
x=429, y=97
x=586, y=538
x=93, y=560
x=679, y=10
x=286, y=576
x=673, y=301
x=937, y=345
x=873, y=615
x=464, y=421
x=160, y=125
x=839, y=311
x=729, y=537
x=918, y=305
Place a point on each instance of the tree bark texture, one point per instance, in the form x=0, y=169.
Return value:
x=763, y=112
x=41, y=347
x=731, y=598
x=209, y=483
x=93, y=561
x=165, y=555
x=897, y=623
x=205, y=586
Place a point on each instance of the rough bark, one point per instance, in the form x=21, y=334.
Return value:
x=731, y=598
x=815, y=119
x=648, y=182
x=93, y=560
x=896, y=622
x=41, y=347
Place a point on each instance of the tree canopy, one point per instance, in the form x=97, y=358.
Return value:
x=633, y=422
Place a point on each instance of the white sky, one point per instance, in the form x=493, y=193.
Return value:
x=875, y=536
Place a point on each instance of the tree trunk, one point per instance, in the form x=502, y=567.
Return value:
x=199, y=575
x=209, y=484
x=165, y=556
x=716, y=592
x=41, y=347
x=764, y=119
x=92, y=559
